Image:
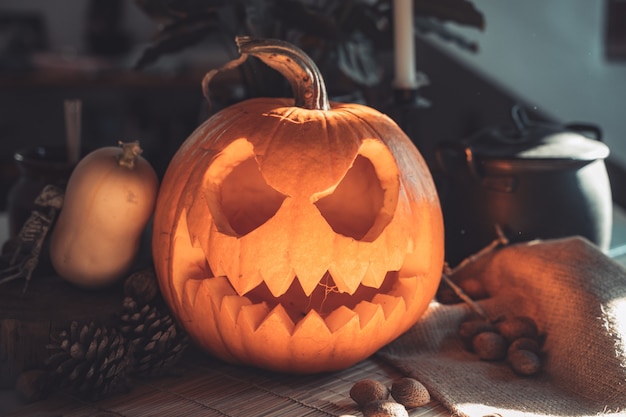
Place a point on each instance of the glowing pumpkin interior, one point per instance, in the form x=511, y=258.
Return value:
x=296, y=239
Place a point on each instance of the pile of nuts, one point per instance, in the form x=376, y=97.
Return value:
x=373, y=397
x=515, y=339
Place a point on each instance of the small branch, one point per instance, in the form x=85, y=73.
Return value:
x=466, y=298
x=500, y=240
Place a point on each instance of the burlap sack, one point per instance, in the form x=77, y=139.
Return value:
x=576, y=294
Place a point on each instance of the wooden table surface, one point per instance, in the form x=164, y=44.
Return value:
x=208, y=387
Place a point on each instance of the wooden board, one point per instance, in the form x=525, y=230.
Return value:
x=209, y=387
x=29, y=320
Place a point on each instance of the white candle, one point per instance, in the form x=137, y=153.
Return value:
x=404, y=45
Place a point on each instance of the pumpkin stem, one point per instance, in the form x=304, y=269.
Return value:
x=130, y=152
x=293, y=63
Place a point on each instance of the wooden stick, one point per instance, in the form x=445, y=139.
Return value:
x=466, y=298
x=73, y=113
x=500, y=240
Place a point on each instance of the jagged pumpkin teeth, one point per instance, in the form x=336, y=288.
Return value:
x=407, y=288
x=232, y=306
x=192, y=260
x=252, y=316
x=368, y=311
x=217, y=288
x=231, y=270
x=311, y=326
x=278, y=282
x=246, y=280
x=308, y=285
x=344, y=283
x=216, y=267
x=309, y=276
x=241, y=310
x=373, y=277
x=341, y=317
x=275, y=319
x=389, y=303
x=191, y=291
x=297, y=235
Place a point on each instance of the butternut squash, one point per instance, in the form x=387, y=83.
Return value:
x=109, y=200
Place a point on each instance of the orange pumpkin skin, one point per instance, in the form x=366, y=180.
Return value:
x=297, y=240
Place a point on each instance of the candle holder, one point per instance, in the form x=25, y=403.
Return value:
x=405, y=108
x=406, y=96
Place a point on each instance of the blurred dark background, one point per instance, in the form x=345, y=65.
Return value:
x=563, y=60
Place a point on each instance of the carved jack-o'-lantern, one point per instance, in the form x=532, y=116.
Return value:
x=297, y=237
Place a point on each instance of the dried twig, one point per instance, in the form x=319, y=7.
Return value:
x=500, y=240
x=466, y=298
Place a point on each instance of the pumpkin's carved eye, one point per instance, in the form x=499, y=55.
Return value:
x=353, y=207
x=247, y=201
x=360, y=206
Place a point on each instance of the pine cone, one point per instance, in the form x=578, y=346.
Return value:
x=90, y=361
x=156, y=341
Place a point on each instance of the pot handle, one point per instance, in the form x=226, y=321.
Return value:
x=455, y=148
x=586, y=129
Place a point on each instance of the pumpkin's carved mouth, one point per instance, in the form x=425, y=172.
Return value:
x=325, y=298
x=326, y=303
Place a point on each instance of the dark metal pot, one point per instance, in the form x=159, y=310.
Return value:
x=532, y=179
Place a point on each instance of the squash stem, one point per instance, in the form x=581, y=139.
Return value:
x=305, y=78
x=130, y=152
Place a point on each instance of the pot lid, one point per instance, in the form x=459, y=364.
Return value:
x=530, y=140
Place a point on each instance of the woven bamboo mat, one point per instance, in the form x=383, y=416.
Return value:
x=207, y=387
